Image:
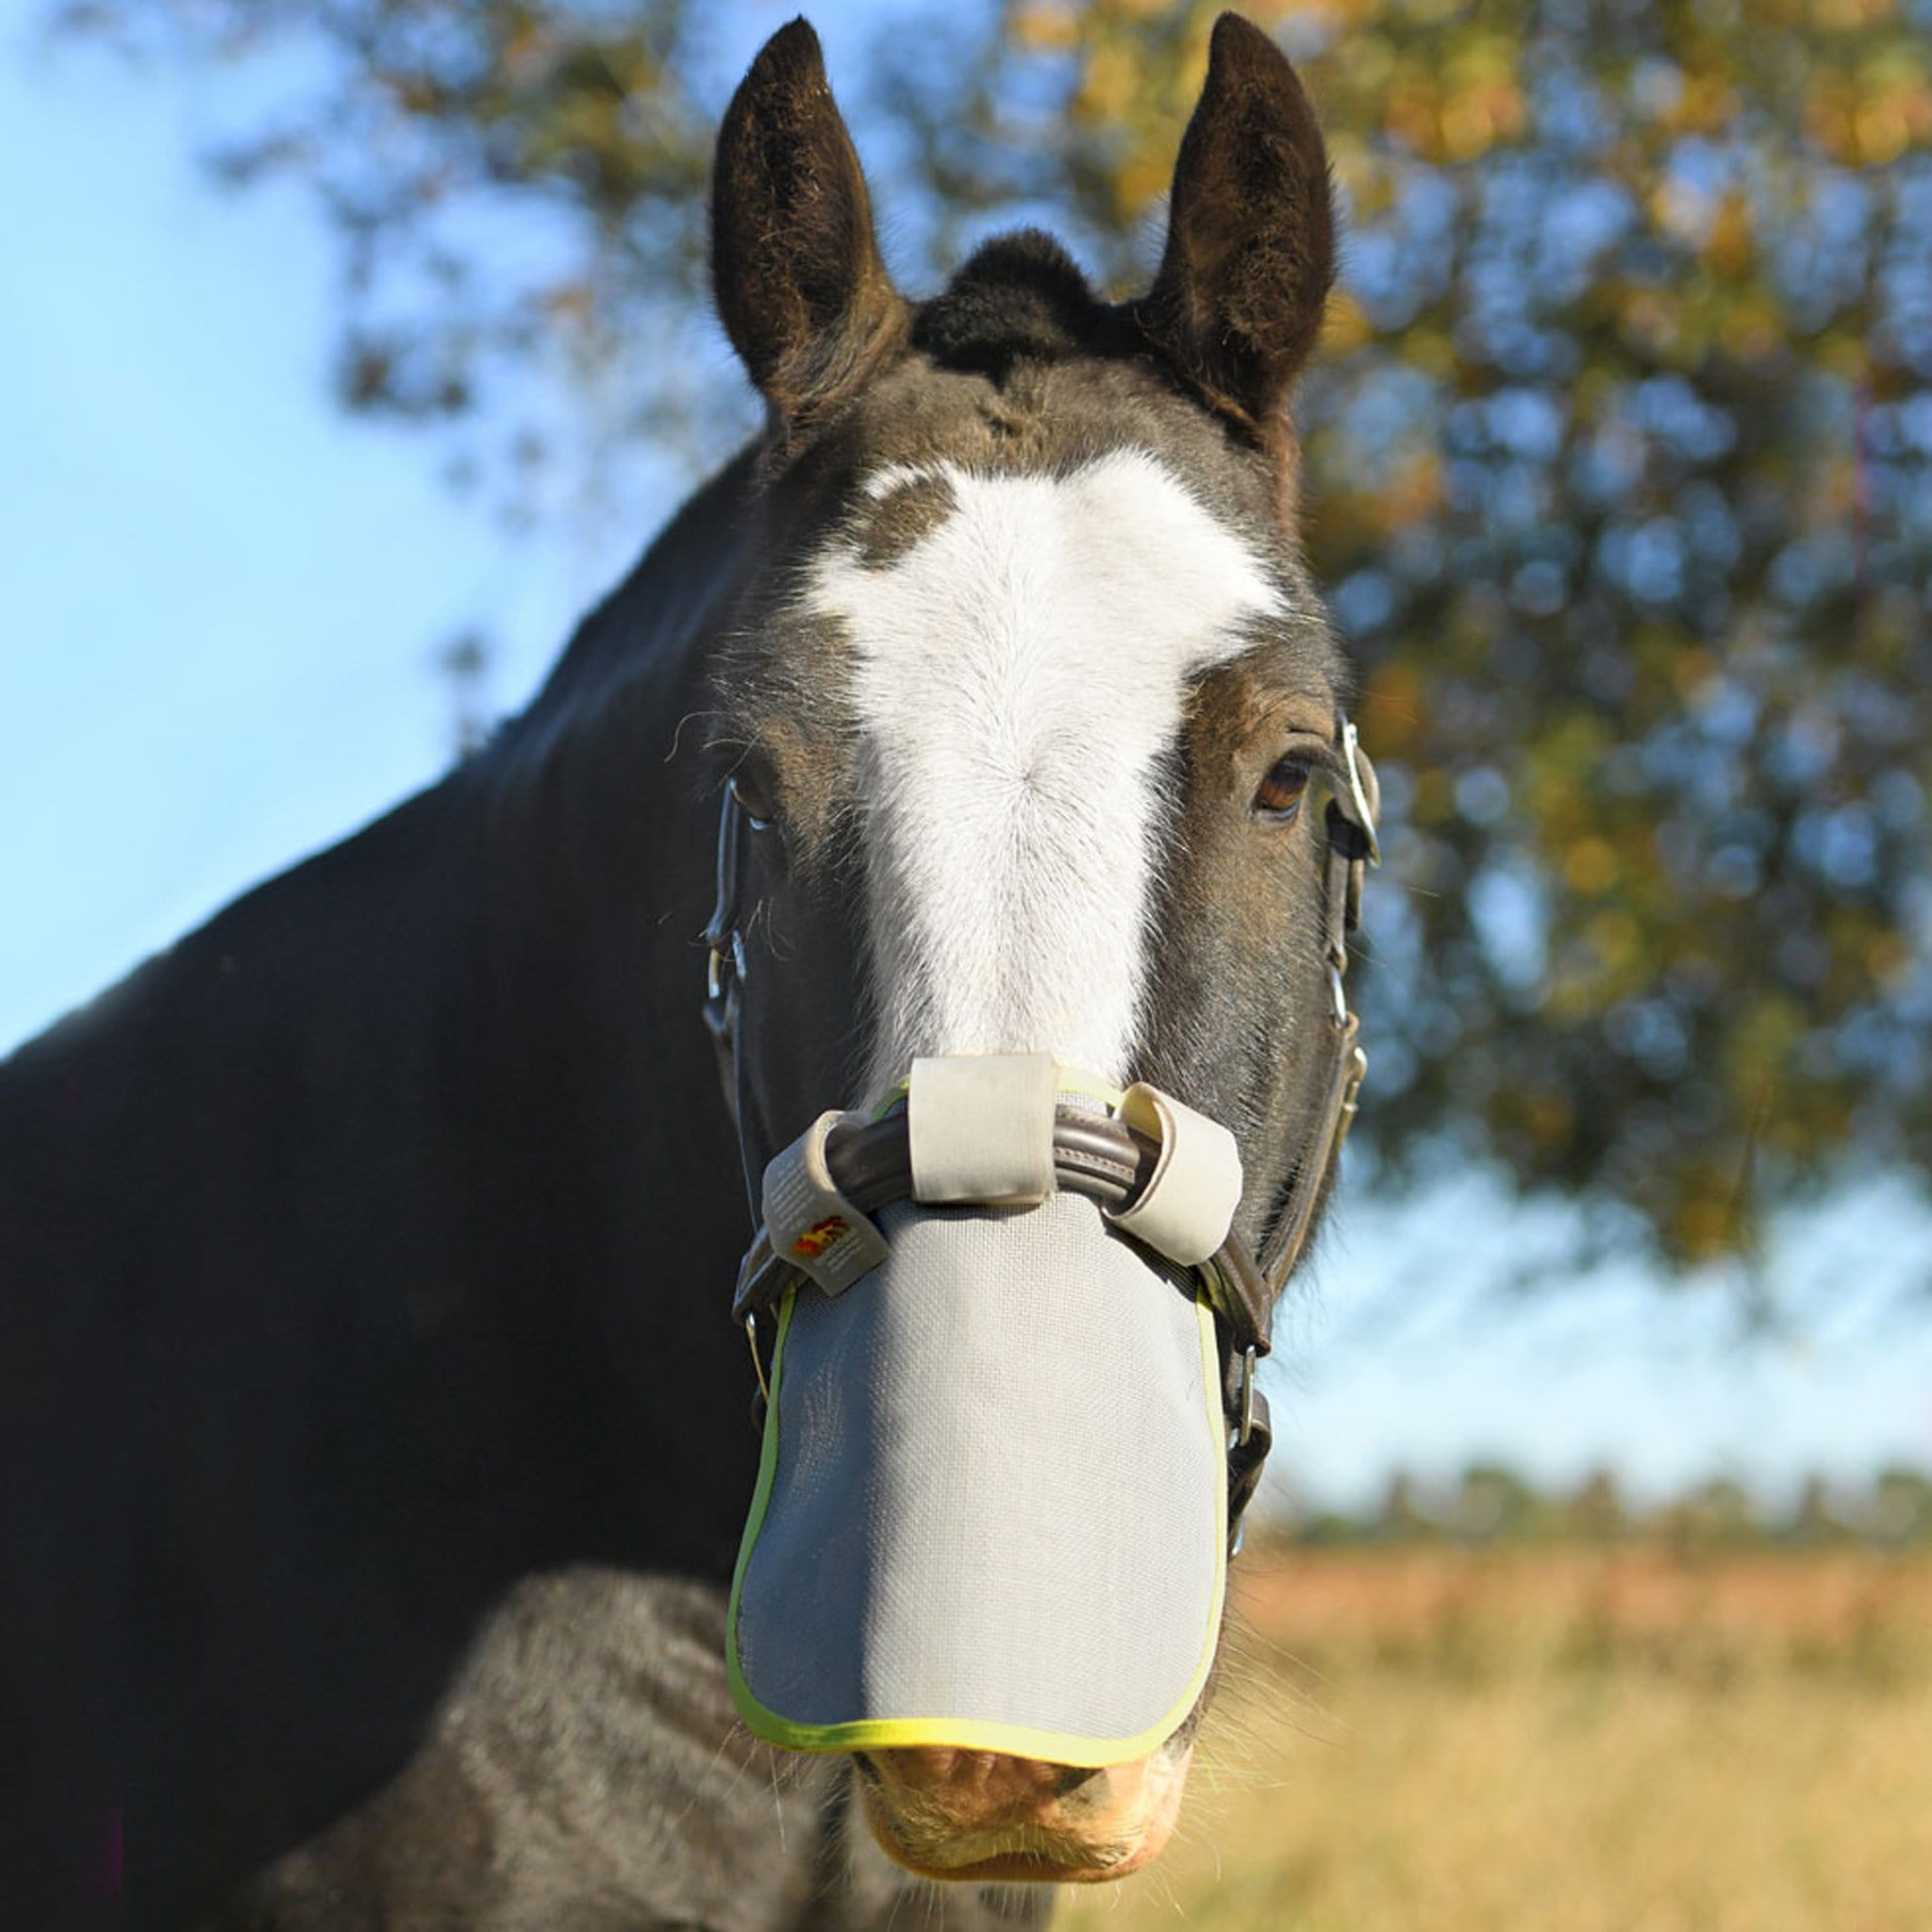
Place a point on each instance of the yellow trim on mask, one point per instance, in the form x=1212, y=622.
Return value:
x=1077, y=1081
x=966, y=1734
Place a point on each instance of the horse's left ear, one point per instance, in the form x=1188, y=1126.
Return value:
x=1250, y=252
x=801, y=287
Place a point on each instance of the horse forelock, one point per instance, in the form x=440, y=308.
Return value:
x=1020, y=296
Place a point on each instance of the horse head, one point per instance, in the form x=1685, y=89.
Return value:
x=1030, y=910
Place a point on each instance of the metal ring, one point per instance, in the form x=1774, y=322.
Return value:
x=1340, y=1015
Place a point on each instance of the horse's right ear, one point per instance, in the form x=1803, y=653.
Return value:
x=801, y=287
x=1250, y=252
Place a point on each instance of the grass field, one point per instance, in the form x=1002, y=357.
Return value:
x=1416, y=1740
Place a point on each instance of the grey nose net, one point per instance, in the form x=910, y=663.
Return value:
x=991, y=1512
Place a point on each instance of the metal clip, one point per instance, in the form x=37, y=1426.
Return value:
x=724, y=919
x=1364, y=794
x=1357, y=1073
x=751, y=1336
x=714, y=972
x=725, y=970
x=1237, y=1436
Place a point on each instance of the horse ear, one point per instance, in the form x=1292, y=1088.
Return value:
x=800, y=285
x=1250, y=251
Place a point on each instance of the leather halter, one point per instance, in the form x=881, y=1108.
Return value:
x=1094, y=1155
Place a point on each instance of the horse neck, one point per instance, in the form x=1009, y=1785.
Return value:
x=598, y=876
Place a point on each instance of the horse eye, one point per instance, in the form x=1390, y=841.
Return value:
x=1280, y=793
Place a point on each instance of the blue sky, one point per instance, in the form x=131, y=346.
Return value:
x=221, y=602
x=219, y=606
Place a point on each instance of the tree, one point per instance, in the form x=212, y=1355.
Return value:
x=1715, y=1515
x=1493, y=1504
x=1595, y=1512
x=1402, y=1518
x=1900, y=1514
x=1618, y=465
x=1815, y=1522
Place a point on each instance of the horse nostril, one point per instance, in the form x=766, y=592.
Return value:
x=991, y=1777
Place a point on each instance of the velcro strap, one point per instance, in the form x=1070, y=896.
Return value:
x=810, y=1222
x=1186, y=1209
x=979, y=1129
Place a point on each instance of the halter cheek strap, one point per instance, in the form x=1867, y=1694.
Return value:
x=814, y=1202
x=1352, y=847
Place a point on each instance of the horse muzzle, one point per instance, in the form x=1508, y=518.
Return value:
x=988, y=1548
x=982, y=1817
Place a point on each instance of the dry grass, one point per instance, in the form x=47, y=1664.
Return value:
x=1570, y=1741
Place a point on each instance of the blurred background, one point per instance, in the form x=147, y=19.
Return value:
x=347, y=352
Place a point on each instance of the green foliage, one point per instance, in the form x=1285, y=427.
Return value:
x=1618, y=465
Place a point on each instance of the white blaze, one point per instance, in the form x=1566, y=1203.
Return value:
x=1021, y=669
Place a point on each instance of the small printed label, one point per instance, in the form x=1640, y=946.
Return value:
x=816, y=1240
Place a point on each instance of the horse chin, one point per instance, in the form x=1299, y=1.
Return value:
x=981, y=1817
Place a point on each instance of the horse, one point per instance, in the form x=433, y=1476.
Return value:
x=373, y=1435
